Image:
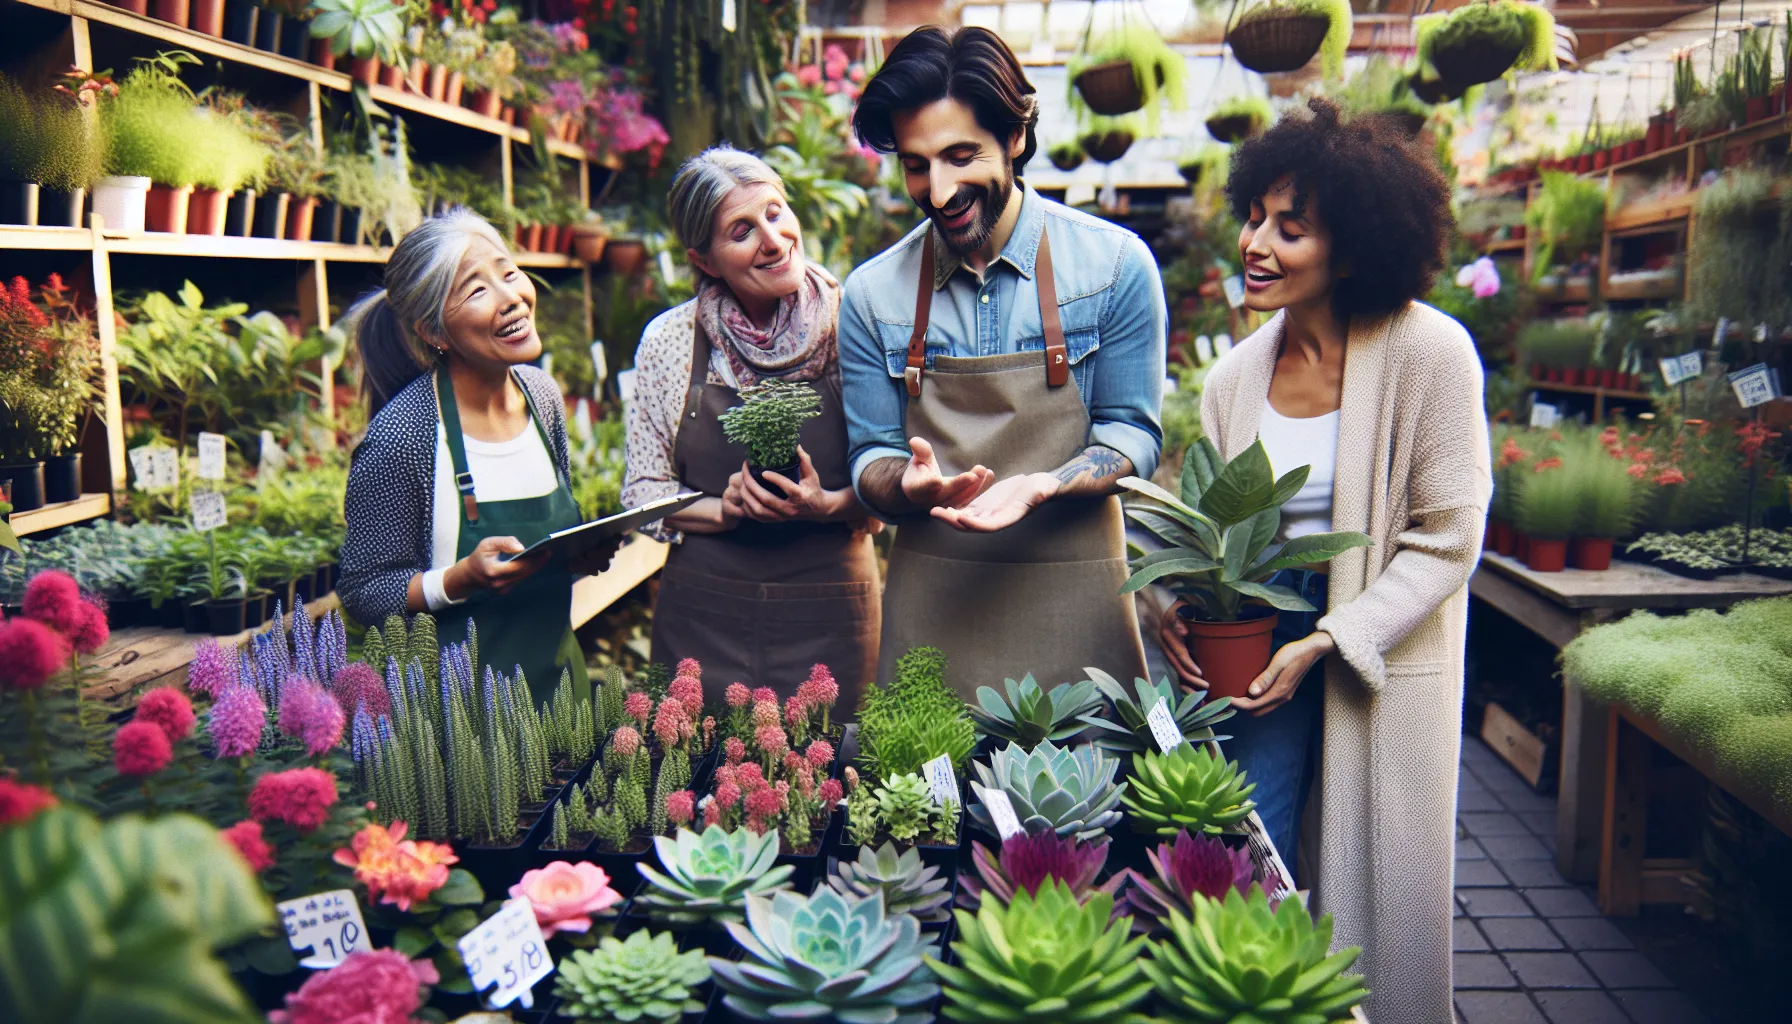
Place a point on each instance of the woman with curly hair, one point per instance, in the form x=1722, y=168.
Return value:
x=1345, y=226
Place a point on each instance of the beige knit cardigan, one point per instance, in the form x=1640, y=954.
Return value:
x=1414, y=473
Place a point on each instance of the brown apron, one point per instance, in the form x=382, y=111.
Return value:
x=763, y=602
x=1042, y=596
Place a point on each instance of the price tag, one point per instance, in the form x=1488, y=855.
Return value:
x=600, y=367
x=668, y=270
x=1718, y=332
x=728, y=16
x=1222, y=344
x=1543, y=415
x=1234, y=286
x=211, y=456
x=327, y=923
x=1755, y=385
x=1675, y=369
x=1001, y=811
x=143, y=468
x=1171, y=386
x=208, y=510
x=1204, y=348
x=273, y=457
x=940, y=780
x=1163, y=726
x=507, y=951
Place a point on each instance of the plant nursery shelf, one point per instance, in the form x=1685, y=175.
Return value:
x=156, y=243
x=1747, y=134
x=63, y=513
x=1503, y=245
x=1662, y=213
x=634, y=564
x=1582, y=389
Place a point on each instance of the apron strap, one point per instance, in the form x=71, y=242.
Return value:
x=701, y=353
x=1057, y=353
x=449, y=415
x=541, y=429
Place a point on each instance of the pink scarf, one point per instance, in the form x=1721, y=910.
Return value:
x=800, y=343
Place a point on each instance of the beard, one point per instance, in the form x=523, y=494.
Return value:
x=991, y=199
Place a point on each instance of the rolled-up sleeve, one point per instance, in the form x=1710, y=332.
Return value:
x=872, y=398
x=1126, y=387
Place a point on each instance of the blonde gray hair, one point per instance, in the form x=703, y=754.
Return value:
x=703, y=184
x=392, y=326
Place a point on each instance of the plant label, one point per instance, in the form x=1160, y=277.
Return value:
x=208, y=510
x=1222, y=344
x=1001, y=811
x=1675, y=369
x=143, y=468
x=507, y=954
x=1171, y=385
x=1234, y=286
x=1543, y=415
x=1163, y=726
x=728, y=16
x=1754, y=385
x=940, y=780
x=1718, y=332
x=600, y=370
x=327, y=923
x=1204, y=348
x=668, y=269
x=211, y=456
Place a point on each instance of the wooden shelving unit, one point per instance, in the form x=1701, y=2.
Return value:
x=63, y=513
x=307, y=263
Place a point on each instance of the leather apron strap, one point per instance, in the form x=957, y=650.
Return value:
x=1057, y=353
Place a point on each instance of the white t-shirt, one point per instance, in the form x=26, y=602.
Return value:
x=502, y=471
x=1293, y=443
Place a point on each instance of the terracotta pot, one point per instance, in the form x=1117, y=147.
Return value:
x=322, y=55
x=1591, y=553
x=1657, y=130
x=299, y=214
x=438, y=82
x=531, y=240
x=365, y=70
x=392, y=76
x=1502, y=536
x=418, y=76
x=508, y=115
x=1633, y=149
x=588, y=245
x=1600, y=159
x=455, y=84
x=1583, y=163
x=1759, y=108
x=208, y=17
x=205, y=211
x=484, y=102
x=625, y=256
x=1546, y=555
x=565, y=246
x=174, y=12
x=1231, y=654
x=167, y=209
x=1521, y=545
x=1571, y=376
x=550, y=238
x=134, y=6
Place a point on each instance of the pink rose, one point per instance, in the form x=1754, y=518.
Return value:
x=565, y=895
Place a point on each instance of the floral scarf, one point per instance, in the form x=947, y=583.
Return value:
x=799, y=345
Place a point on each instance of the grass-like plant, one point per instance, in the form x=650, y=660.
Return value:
x=914, y=719
x=1547, y=503
x=46, y=140
x=1608, y=493
x=1568, y=214
x=769, y=421
x=149, y=128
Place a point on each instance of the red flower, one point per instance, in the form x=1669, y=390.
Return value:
x=763, y=803
x=20, y=801
x=1670, y=476
x=638, y=706
x=54, y=599
x=727, y=794
x=766, y=694
x=1550, y=463
x=681, y=807
x=375, y=986
x=734, y=750
x=749, y=775
x=30, y=653
x=301, y=797
x=92, y=632
x=246, y=837
x=830, y=792
x=820, y=754
x=626, y=741
x=140, y=749
x=737, y=695
x=169, y=710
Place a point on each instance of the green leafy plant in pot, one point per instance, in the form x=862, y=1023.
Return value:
x=1128, y=69
x=1480, y=42
x=1547, y=506
x=370, y=31
x=220, y=582
x=769, y=422
x=1608, y=502
x=47, y=147
x=1222, y=553
x=1066, y=156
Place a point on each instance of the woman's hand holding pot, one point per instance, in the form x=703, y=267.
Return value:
x=803, y=498
x=1286, y=669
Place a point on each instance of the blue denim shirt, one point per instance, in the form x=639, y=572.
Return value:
x=1110, y=301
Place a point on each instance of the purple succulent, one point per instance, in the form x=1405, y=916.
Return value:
x=1193, y=864
x=1027, y=860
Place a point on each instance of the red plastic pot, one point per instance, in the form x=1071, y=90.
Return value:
x=1231, y=654
x=550, y=237
x=166, y=209
x=418, y=76
x=1591, y=553
x=1521, y=545
x=392, y=76
x=174, y=12
x=299, y=213
x=1571, y=376
x=205, y=211
x=1759, y=108
x=1633, y=149
x=365, y=70
x=1546, y=555
x=1538, y=372
x=438, y=82
x=532, y=238
x=134, y=6
x=455, y=84
x=1503, y=537
x=322, y=55
x=1601, y=158
x=208, y=17
x=1583, y=163
x=484, y=102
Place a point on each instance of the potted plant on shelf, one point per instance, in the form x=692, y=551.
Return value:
x=1239, y=118
x=233, y=152
x=71, y=350
x=297, y=173
x=1066, y=156
x=1283, y=35
x=588, y=237
x=219, y=580
x=1608, y=499
x=1128, y=69
x=1546, y=509
x=768, y=422
x=491, y=79
x=1221, y=556
x=367, y=31
x=1755, y=50
x=145, y=148
x=47, y=156
x=1480, y=42
x=1106, y=139
x=1568, y=213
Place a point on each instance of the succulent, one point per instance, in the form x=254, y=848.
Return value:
x=1043, y=956
x=909, y=886
x=904, y=805
x=1029, y=714
x=1131, y=734
x=1189, y=787
x=906, y=741
x=1238, y=960
x=643, y=978
x=1196, y=866
x=709, y=876
x=861, y=816
x=945, y=824
x=1068, y=790
x=827, y=957
x=1029, y=860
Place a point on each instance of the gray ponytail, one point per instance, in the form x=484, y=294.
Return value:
x=386, y=323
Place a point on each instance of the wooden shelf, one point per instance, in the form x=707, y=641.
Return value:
x=63, y=513
x=1748, y=133
x=1567, y=294
x=1660, y=214
x=158, y=243
x=18, y=236
x=1504, y=245
x=139, y=657
x=1595, y=390
x=1650, y=289
x=639, y=558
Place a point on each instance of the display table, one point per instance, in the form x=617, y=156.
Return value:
x=137, y=658
x=1557, y=606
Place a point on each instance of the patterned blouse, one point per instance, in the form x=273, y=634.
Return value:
x=662, y=378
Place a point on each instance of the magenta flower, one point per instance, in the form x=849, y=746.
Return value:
x=213, y=670
x=310, y=715
x=237, y=719
x=1027, y=860
x=1195, y=865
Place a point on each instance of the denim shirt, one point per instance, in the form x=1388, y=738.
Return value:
x=1110, y=302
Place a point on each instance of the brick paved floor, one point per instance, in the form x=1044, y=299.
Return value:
x=1530, y=947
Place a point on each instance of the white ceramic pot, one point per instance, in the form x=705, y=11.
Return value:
x=119, y=202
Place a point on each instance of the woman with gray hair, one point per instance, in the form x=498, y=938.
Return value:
x=465, y=458
x=764, y=581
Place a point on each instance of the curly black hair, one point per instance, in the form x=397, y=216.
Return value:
x=1382, y=196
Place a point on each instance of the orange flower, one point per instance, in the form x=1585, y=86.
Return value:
x=394, y=869
x=1550, y=463
x=1638, y=470
x=1670, y=475
x=1510, y=453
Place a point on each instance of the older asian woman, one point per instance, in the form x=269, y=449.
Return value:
x=763, y=582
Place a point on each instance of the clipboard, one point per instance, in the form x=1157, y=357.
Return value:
x=576, y=540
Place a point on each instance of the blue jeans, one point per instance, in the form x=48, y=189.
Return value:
x=1277, y=750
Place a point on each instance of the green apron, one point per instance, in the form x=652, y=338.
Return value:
x=531, y=626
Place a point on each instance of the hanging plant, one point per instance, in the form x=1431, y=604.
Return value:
x=1283, y=35
x=1206, y=161
x=1106, y=139
x=1128, y=69
x=1239, y=118
x=1066, y=156
x=1482, y=41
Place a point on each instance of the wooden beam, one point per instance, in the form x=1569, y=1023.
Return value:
x=1625, y=819
x=107, y=325
x=1580, y=788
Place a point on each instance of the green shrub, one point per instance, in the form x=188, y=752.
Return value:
x=45, y=139
x=150, y=128
x=1547, y=502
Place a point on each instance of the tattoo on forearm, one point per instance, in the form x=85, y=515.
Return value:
x=1097, y=463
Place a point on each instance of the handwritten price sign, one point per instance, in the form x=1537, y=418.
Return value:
x=507, y=954
x=1163, y=726
x=327, y=923
x=941, y=783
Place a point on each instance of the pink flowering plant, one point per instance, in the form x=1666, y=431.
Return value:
x=777, y=768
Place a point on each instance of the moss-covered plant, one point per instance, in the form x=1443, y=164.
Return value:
x=1736, y=262
x=1067, y=790
x=1066, y=156
x=1158, y=71
x=1478, y=42
x=769, y=421
x=1547, y=505
x=644, y=978
x=1239, y=117
x=1188, y=788
x=1335, y=13
x=146, y=129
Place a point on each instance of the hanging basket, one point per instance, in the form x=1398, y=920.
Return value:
x=1107, y=147
x=1067, y=161
x=1191, y=172
x=1231, y=128
x=1472, y=60
x=1280, y=39
x=1111, y=89
x=1432, y=92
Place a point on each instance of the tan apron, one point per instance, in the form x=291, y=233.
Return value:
x=763, y=602
x=1042, y=596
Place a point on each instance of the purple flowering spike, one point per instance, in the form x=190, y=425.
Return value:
x=304, y=660
x=363, y=739
x=309, y=714
x=395, y=687
x=237, y=719
x=213, y=670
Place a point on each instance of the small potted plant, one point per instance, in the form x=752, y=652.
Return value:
x=47, y=157
x=1239, y=118
x=769, y=422
x=1066, y=156
x=1106, y=139
x=1226, y=508
x=367, y=31
x=1756, y=79
x=1283, y=35
x=1568, y=213
x=219, y=581
x=146, y=145
x=72, y=358
x=1546, y=509
x=1128, y=69
x=1480, y=42
x=1608, y=503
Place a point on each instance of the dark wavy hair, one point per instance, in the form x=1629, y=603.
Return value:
x=1382, y=196
x=971, y=65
